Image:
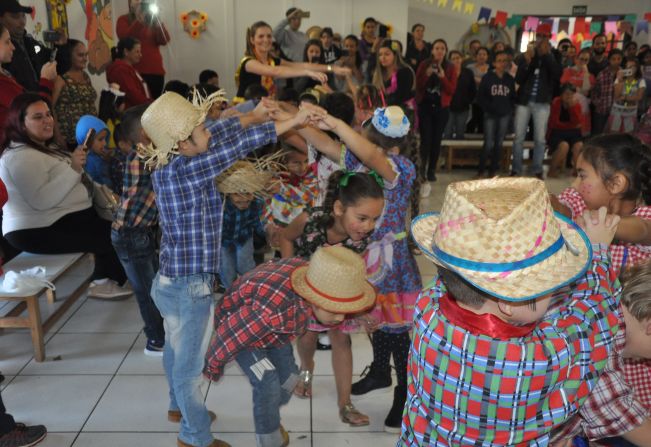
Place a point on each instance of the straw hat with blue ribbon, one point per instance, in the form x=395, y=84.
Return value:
x=502, y=236
x=391, y=121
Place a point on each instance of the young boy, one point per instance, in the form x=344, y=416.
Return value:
x=134, y=228
x=488, y=366
x=99, y=154
x=266, y=309
x=615, y=408
x=187, y=157
x=496, y=96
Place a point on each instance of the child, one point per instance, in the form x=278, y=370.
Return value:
x=489, y=365
x=629, y=91
x=241, y=219
x=187, y=157
x=615, y=171
x=269, y=306
x=134, y=231
x=564, y=129
x=391, y=265
x=603, y=91
x=353, y=205
x=496, y=97
x=613, y=408
x=122, y=149
x=99, y=154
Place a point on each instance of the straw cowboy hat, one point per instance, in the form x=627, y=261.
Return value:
x=391, y=121
x=253, y=176
x=335, y=281
x=502, y=236
x=170, y=119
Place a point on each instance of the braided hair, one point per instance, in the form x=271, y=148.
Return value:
x=360, y=186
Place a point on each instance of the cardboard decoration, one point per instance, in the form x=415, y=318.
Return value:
x=456, y=6
x=531, y=24
x=642, y=26
x=500, y=18
x=484, y=14
x=595, y=27
x=514, y=20
x=579, y=25
x=194, y=23
x=647, y=16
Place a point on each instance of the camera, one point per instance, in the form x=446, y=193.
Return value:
x=149, y=8
x=51, y=36
x=305, y=14
x=627, y=72
x=383, y=30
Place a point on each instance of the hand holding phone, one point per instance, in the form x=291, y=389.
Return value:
x=89, y=139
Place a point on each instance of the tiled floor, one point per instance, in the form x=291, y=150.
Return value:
x=98, y=389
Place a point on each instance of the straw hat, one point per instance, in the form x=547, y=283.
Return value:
x=170, y=119
x=391, y=121
x=250, y=176
x=335, y=281
x=502, y=236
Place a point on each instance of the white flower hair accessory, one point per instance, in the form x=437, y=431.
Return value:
x=391, y=121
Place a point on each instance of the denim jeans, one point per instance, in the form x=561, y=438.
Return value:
x=136, y=249
x=235, y=260
x=186, y=304
x=540, y=113
x=456, y=127
x=495, y=128
x=273, y=374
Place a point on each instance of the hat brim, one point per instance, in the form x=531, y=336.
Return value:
x=300, y=286
x=561, y=269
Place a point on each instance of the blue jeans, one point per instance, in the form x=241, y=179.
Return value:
x=235, y=260
x=186, y=304
x=495, y=128
x=136, y=249
x=456, y=126
x=273, y=374
x=540, y=113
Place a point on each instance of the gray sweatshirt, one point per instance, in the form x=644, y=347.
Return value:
x=291, y=42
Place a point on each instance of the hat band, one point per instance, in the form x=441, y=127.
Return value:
x=496, y=267
x=330, y=297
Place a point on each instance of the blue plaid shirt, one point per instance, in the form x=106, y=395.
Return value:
x=189, y=205
x=239, y=225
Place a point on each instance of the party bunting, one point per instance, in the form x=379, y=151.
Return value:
x=579, y=37
x=611, y=27
x=442, y=3
x=500, y=18
x=514, y=21
x=630, y=18
x=579, y=25
x=456, y=6
x=531, y=24
x=642, y=26
x=563, y=26
x=484, y=14
x=555, y=26
x=469, y=8
x=595, y=27
x=647, y=16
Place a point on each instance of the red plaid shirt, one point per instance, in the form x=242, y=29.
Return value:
x=621, y=254
x=637, y=373
x=603, y=92
x=260, y=310
x=613, y=408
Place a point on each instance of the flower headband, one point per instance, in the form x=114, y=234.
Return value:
x=383, y=123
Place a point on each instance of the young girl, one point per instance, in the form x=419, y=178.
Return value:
x=615, y=171
x=391, y=266
x=629, y=91
x=353, y=204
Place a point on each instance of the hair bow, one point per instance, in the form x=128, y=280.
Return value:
x=345, y=178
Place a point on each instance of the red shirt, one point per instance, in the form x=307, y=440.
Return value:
x=150, y=37
x=555, y=116
x=448, y=82
x=130, y=82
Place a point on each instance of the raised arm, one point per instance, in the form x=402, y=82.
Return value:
x=284, y=70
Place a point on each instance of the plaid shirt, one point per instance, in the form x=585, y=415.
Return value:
x=260, y=310
x=466, y=388
x=603, y=92
x=296, y=194
x=189, y=203
x=637, y=373
x=621, y=254
x=137, y=202
x=612, y=408
x=238, y=225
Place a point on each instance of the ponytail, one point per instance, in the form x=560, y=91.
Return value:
x=124, y=44
x=349, y=188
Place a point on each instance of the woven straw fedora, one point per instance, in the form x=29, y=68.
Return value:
x=243, y=178
x=502, y=236
x=335, y=281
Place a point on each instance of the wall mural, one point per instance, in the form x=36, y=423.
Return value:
x=99, y=34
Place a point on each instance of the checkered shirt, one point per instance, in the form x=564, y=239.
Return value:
x=294, y=196
x=612, y=408
x=260, y=310
x=638, y=375
x=137, y=202
x=466, y=388
x=621, y=254
x=603, y=92
x=189, y=203
x=239, y=225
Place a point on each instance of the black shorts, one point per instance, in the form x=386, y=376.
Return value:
x=570, y=136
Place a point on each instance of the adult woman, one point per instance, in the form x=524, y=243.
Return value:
x=312, y=53
x=352, y=61
x=146, y=27
x=259, y=67
x=368, y=42
x=417, y=50
x=479, y=68
x=74, y=94
x=393, y=77
x=581, y=78
x=123, y=72
x=436, y=81
x=9, y=88
x=464, y=95
x=50, y=209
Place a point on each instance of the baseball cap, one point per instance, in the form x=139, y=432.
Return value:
x=13, y=6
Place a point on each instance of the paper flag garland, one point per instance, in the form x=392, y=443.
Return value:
x=642, y=26
x=442, y=3
x=595, y=27
x=579, y=25
x=555, y=26
x=484, y=14
x=514, y=20
x=531, y=24
x=647, y=16
x=32, y=13
x=456, y=6
x=500, y=18
x=630, y=18
x=563, y=26
x=611, y=27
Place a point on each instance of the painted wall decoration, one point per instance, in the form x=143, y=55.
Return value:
x=194, y=23
x=57, y=16
x=99, y=33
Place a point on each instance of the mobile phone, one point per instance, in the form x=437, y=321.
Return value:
x=89, y=138
x=51, y=36
x=383, y=31
x=306, y=14
x=53, y=54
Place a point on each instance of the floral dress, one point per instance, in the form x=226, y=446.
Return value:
x=315, y=235
x=391, y=267
x=76, y=99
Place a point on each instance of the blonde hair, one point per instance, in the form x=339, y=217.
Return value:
x=379, y=72
x=636, y=292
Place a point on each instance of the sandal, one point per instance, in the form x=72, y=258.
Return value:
x=303, y=388
x=352, y=416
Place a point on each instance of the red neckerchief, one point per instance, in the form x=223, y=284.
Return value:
x=293, y=179
x=481, y=324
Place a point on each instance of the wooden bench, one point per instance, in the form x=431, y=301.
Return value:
x=467, y=152
x=55, y=267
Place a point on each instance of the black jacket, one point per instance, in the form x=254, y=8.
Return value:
x=464, y=93
x=549, y=73
x=496, y=96
x=29, y=57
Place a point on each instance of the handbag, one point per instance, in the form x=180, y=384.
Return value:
x=105, y=201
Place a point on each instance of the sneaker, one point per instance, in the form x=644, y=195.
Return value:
x=23, y=436
x=323, y=343
x=285, y=436
x=425, y=190
x=109, y=290
x=154, y=348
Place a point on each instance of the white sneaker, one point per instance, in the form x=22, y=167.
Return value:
x=425, y=190
x=109, y=290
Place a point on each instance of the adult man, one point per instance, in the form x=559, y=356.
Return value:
x=291, y=41
x=30, y=55
x=538, y=72
x=598, y=61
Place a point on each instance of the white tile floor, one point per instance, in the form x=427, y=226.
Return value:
x=98, y=389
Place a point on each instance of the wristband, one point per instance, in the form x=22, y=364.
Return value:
x=329, y=68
